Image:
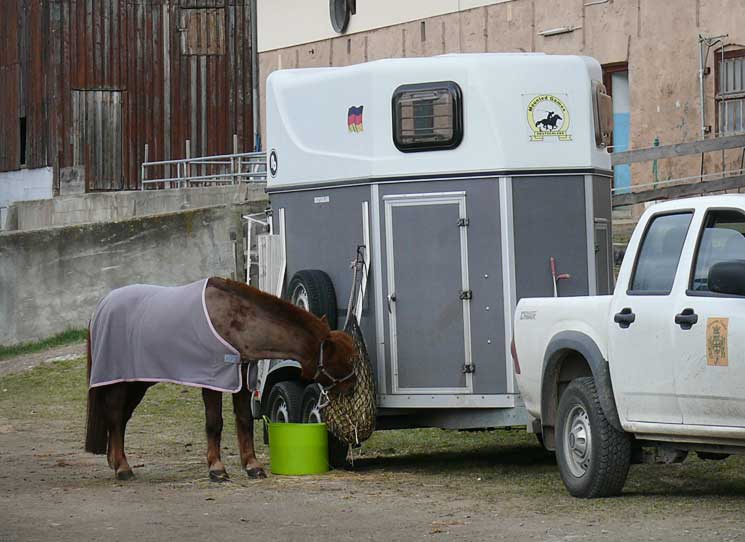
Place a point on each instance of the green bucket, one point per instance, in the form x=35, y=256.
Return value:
x=298, y=448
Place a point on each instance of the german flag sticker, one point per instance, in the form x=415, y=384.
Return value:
x=354, y=119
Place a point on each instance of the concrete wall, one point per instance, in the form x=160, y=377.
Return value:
x=110, y=206
x=52, y=279
x=657, y=38
x=21, y=185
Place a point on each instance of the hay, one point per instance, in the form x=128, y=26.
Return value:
x=351, y=418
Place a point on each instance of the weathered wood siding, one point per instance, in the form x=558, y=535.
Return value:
x=180, y=70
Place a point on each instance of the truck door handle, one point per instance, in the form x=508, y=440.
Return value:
x=624, y=318
x=686, y=319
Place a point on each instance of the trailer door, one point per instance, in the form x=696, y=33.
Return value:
x=428, y=296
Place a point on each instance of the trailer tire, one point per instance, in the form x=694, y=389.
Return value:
x=285, y=401
x=313, y=290
x=593, y=456
x=311, y=414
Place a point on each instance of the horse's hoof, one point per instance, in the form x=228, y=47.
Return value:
x=124, y=475
x=219, y=476
x=257, y=473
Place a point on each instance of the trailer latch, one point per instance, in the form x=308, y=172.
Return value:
x=469, y=368
x=466, y=294
x=463, y=222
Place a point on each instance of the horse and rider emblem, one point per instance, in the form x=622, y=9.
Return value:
x=548, y=117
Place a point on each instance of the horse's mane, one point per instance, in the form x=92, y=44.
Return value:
x=272, y=304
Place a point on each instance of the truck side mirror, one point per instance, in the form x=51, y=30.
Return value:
x=728, y=277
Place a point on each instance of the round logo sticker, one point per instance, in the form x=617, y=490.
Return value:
x=548, y=117
x=273, y=163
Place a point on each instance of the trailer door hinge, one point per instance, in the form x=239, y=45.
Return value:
x=463, y=222
x=466, y=294
x=469, y=368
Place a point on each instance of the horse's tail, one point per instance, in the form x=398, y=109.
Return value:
x=96, y=434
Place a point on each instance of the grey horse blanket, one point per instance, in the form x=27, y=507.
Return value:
x=161, y=334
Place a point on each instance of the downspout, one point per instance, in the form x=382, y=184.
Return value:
x=255, y=78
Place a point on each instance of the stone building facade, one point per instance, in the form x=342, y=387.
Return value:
x=649, y=49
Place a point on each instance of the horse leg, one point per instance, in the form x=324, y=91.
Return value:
x=213, y=427
x=244, y=428
x=116, y=402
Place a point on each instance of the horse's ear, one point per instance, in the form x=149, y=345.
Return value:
x=324, y=319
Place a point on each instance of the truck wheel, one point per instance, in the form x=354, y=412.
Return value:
x=593, y=457
x=285, y=400
x=313, y=290
x=311, y=414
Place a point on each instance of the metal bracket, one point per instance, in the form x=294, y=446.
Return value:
x=469, y=368
x=464, y=222
x=466, y=294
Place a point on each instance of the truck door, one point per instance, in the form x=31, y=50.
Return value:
x=709, y=330
x=640, y=335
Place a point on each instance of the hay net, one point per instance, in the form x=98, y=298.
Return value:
x=351, y=418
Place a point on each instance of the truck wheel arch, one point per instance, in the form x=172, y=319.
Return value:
x=571, y=345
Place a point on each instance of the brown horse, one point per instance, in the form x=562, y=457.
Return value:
x=259, y=326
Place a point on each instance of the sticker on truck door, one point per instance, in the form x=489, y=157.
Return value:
x=716, y=341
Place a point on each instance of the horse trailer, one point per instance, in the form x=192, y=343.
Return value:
x=466, y=182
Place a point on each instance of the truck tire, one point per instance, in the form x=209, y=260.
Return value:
x=313, y=290
x=593, y=456
x=285, y=402
x=311, y=414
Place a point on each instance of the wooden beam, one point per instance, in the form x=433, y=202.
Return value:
x=679, y=149
x=680, y=191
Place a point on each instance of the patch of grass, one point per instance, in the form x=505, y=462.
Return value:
x=70, y=336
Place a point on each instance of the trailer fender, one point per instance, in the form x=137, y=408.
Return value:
x=559, y=347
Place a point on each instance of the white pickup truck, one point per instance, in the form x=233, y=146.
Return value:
x=660, y=363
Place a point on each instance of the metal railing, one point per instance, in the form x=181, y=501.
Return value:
x=204, y=171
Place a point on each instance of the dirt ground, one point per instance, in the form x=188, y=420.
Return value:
x=407, y=485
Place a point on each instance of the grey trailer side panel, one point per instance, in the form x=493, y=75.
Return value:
x=603, y=227
x=324, y=229
x=549, y=220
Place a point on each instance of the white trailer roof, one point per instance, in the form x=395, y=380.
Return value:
x=308, y=109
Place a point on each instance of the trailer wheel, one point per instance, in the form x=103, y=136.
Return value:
x=285, y=401
x=313, y=290
x=593, y=456
x=712, y=456
x=312, y=414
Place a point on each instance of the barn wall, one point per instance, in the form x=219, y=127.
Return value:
x=99, y=79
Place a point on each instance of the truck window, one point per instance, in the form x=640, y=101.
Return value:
x=723, y=238
x=658, y=257
x=427, y=116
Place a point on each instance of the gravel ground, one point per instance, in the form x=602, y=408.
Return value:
x=408, y=485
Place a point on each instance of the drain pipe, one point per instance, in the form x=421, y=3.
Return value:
x=255, y=78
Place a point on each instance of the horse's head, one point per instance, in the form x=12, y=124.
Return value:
x=336, y=367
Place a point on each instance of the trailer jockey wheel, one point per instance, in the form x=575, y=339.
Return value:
x=313, y=290
x=312, y=414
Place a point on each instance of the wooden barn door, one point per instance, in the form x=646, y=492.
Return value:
x=97, y=118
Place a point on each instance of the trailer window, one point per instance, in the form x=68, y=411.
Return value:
x=427, y=116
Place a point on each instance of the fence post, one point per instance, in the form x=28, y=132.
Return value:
x=147, y=152
x=187, y=164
